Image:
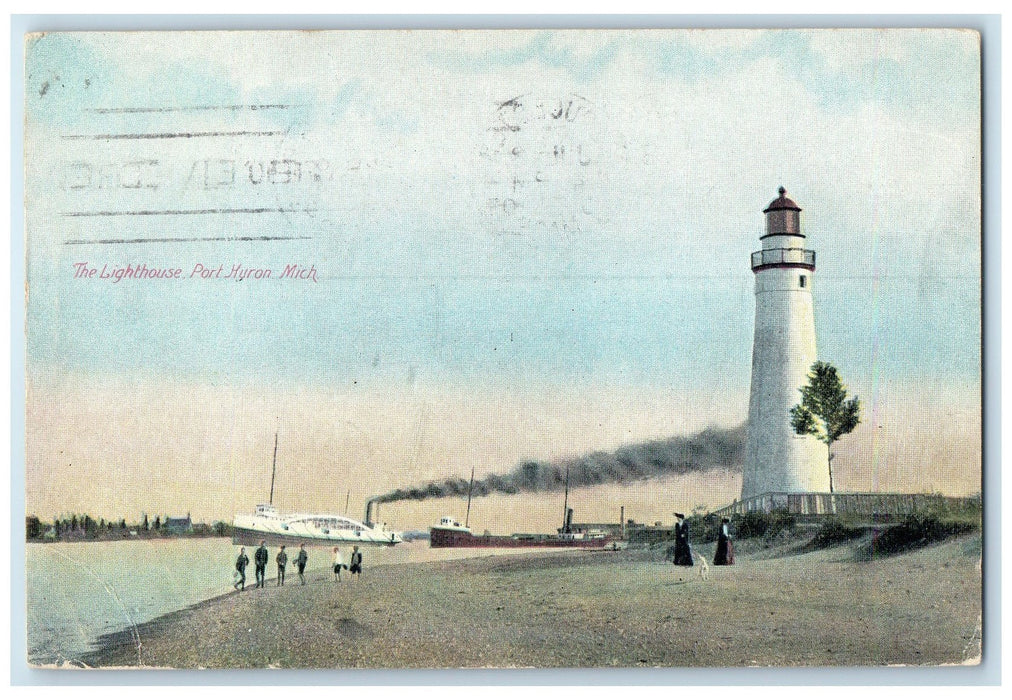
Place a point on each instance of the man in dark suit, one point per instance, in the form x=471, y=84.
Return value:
x=300, y=561
x=240, y=570
x=356, y=562
x=282, y=560
x=260, y=559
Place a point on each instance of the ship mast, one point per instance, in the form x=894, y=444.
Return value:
x=565, y=502
x=274, y=468
x=467, y=516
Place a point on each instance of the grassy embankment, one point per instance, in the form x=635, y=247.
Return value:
x=888, y=536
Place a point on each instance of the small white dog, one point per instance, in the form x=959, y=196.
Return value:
x=704, y=568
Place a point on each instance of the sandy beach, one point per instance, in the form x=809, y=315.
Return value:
x=588, y=609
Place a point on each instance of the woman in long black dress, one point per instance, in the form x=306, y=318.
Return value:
x=683, y=554
x=725, y=550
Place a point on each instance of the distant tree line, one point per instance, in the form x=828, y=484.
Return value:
x=83, y=526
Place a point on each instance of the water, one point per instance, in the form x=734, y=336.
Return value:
x=77, y=592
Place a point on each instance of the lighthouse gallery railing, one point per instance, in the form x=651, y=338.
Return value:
x=783, y=256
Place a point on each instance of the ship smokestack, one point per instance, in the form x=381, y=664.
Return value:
x=368, y=514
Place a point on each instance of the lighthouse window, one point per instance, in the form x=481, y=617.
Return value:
x=801, y=281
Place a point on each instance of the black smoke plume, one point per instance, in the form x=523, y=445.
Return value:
x=713, y=448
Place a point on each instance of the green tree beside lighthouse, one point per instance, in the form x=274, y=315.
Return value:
x=825, y=412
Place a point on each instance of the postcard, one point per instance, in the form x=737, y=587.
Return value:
x=503, y=349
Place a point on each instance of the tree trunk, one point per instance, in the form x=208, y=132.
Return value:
x=829, y=454
x=829, y=461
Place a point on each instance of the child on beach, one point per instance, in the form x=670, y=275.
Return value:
x=338, y=563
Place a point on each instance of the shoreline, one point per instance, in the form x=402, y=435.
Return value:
x=112, y=642
x=79, y=594
x=146, y=538
x=585, y=609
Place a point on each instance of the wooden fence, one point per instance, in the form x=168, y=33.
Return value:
x=872, y=504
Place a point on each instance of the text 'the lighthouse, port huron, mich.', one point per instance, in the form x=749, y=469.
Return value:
x=237, y=272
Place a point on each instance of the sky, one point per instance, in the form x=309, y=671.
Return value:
x=520, y=244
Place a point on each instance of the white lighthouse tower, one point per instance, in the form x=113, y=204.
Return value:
x=776, y=459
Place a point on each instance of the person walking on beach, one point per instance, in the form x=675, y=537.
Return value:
x=338, y=563
x=260, y=559
x=725, y=549
x=240, y=570
x=282, y=560
x=300, y=561
x=356, y=562
x=683, y=554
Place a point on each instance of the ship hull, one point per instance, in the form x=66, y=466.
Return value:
x=249, y=537
x=439, y=537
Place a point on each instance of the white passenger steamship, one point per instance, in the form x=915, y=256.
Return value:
x=276, y=529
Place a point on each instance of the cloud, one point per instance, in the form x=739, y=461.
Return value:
x=583, y=55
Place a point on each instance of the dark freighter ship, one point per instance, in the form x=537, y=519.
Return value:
x=450, y=533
